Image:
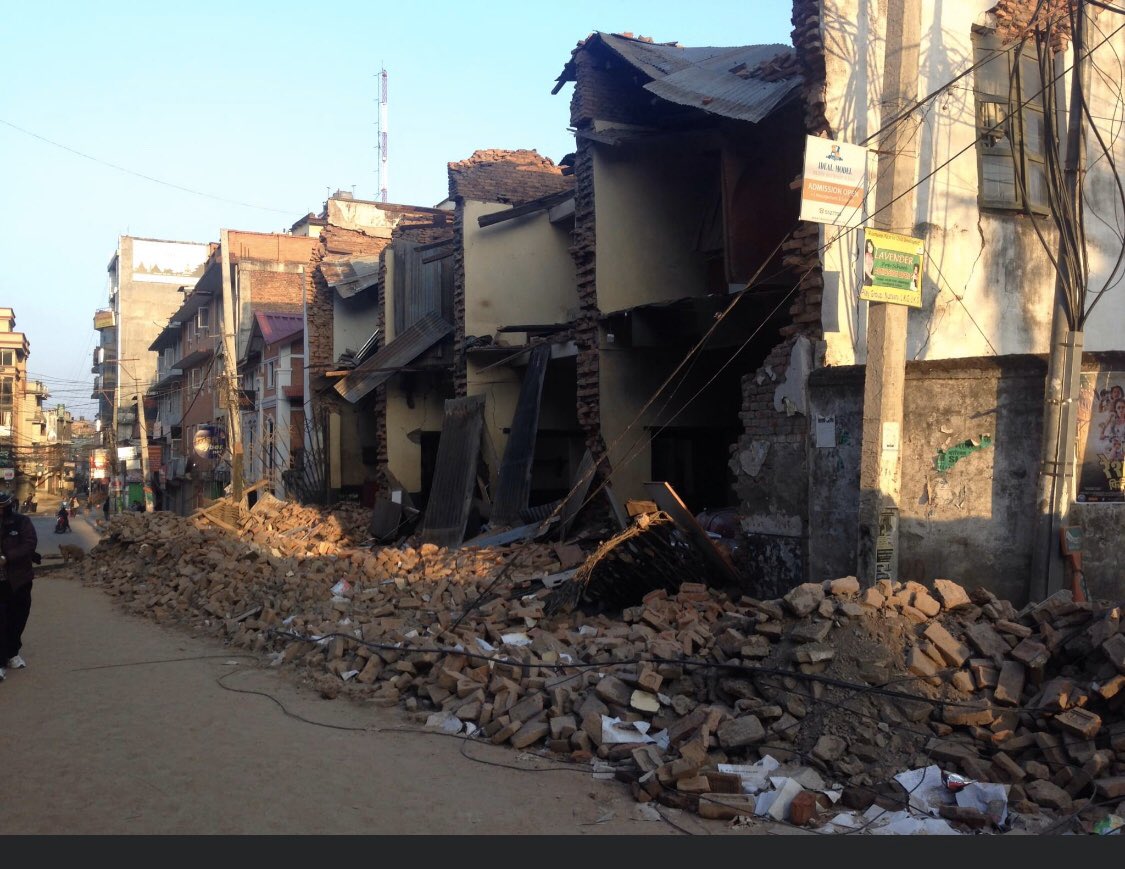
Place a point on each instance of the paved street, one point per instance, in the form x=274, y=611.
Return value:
x=124, y=727
x=82, y=533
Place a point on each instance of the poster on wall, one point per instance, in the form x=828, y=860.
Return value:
x=891, y=268
x=834, y=184
x=1101, y=437
x=168, y=262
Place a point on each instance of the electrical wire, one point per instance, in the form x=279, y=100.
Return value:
x=128, y=171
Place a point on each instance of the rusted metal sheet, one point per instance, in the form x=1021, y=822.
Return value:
x=703, y=77
x=351, y=275
x=514, y=484
x=451, y=494
x=403, y=350
x=669, y=502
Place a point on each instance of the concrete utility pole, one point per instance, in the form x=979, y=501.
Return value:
x=880, y=472
x=1057, y=470
x=230, y=372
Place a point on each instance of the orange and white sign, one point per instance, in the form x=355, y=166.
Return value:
x=834, y=185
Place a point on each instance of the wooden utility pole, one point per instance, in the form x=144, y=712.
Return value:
x=230, y=372
x=1057, y=470
x=146, y=483
x=880, y=472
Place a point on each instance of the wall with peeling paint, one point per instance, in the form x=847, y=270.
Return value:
x=969, y=522
x=988, y=284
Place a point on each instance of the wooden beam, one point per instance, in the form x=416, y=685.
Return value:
x=525, y=209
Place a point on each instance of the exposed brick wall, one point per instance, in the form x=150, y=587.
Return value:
x=460, y=367
x=586, y=331
x=1015, y=19
x=277, y=291
x=512, y=177
x=607, y=88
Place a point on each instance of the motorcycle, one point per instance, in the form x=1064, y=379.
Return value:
x=62, y=524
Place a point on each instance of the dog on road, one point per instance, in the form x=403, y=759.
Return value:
x=70, y=552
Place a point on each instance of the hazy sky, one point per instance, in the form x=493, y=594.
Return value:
x=271, y=104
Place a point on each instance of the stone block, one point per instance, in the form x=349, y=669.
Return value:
x=951, y=595
x=613, y=690
x=953, y=650
x=872, y=598
x=925, y=603
x=739, y=732
x=1048, y=795
x=1031, y=653
x=1080, y=721
x=1009, y=683
x=846, y=585
x=805, y=598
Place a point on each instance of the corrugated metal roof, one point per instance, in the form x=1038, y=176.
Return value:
x=403, y=350
x=277, y=327
x=701, y=77
x=351, y=275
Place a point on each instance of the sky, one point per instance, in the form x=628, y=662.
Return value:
x=267, y=108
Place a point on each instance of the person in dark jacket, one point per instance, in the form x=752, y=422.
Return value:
x=17, y=551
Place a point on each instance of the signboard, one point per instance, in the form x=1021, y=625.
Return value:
x=126, y=453
x=104, y=319
x=209, y=441
x=1101, y=437
x=98, y=474
x=891, y=268
x=834, y=184
x=7, y=473
x=886, y=558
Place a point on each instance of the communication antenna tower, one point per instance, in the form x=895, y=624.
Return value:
x=381, y=137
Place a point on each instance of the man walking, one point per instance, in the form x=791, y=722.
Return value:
x=17, y=551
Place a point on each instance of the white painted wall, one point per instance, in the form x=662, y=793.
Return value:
x=988, y=285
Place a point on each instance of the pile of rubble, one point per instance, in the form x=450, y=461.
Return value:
x=292, y=529
x=799, y=708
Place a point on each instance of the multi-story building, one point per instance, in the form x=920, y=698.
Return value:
x=14, y=438
x=261, y=273
x=146, y=280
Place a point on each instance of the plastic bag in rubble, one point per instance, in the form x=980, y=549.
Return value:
x=615, y=731
x=446, y=722
x=342, y=588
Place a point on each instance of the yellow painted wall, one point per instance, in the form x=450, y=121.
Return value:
x=649, y=203
x=404, y=457
x=631, y=377
x=516, y=272
x=500, y=387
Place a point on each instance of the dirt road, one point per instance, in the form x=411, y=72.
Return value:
x=103, y=738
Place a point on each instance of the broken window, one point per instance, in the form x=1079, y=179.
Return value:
x=1011, y=137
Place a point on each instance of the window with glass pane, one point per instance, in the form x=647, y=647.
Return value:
x=1010, y=126
x=7, y=357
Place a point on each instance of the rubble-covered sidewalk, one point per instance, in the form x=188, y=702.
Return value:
x=895, y=709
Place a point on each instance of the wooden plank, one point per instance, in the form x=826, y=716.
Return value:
x=576, y=497
x=668, y=501
x=527, y=208
x=400, y=352
x=503, y=538
x=514, y=484
x=451, y=493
